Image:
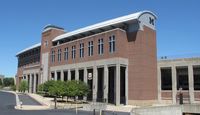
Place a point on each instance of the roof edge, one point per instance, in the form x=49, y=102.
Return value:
x=133, y=16
x=29, y=48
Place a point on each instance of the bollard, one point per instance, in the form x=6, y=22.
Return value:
x=93, y=111
x=100, y=112
x=20, y=104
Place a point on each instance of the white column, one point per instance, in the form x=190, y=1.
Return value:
x=55, y=77
x=62, y=75
x=105, y=83
x=69, y=74
x=85, y=80
x=174, y=84
x=191, y=83
x=76, y=74
x=126, y=86
x=94, y=83
x=34, y=84
x=117, y=85
x=159, y=83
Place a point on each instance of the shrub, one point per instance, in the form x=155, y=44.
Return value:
x=23, y=86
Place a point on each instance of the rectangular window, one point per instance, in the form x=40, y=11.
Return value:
x=112, y=44
x=73, y=52
x=81, y=50
x=90, y=48
x=182, y=78
x=66, y=54
x=59, y=55
x=100, y=46
x=196, y=73
x=166, y=78
x=52, y=56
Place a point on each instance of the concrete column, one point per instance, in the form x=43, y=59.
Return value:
x=85, y=80
x=174, y=84
x=55, y=77
x=191, y=83
x=95, y=83
x=117, y=85
x=126, y=86
x=69, y=74
x=159, y=83
x=105, y=96
x=76, y=74
x=34, y=84
x=62, y=75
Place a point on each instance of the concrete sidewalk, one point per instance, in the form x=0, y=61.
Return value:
x=29, y=103
x=86, y=107
x=27, y=100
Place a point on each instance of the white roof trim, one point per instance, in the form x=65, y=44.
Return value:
x=29, y=48
x=126, y=18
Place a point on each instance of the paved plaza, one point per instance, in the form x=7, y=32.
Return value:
x=8, y=102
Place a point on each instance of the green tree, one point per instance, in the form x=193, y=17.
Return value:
x=71, y=88
x=8, y=82
x=47, y=85
x=76, y=88
x=83, y=88
x=23, y=86
x=13, y=87
x=57, y=90
x=1, y=83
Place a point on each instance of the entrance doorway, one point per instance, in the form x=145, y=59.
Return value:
x=111, y=84
x=122, y=85
x=100, y=84
x=90, y=84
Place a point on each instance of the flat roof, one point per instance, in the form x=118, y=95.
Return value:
x=111, y=22
x=29, y=48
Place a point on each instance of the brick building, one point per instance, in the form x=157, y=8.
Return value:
x=179, y=74
x=116, y=58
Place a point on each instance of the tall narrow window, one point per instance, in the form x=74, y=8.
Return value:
x=112, y=44
x=59, y=55
x=73, y=52
x=90, y=48
x=100, y=46
x=52, y=56
x=81, y=50
x=66, y=54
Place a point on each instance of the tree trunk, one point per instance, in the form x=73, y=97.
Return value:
x=55, y=100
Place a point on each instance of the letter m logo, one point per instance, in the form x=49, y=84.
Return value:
x=151, y=20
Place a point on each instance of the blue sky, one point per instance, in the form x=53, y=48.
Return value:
x=21, y=23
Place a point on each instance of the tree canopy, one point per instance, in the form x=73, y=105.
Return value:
x=8, y=82
x=1, y=83
x=60, y=88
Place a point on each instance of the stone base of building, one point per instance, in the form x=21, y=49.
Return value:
x=143, y=102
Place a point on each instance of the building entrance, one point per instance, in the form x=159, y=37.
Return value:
x=90, y=84
x=111, y=84
x=122, y=85
x=100, y=88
